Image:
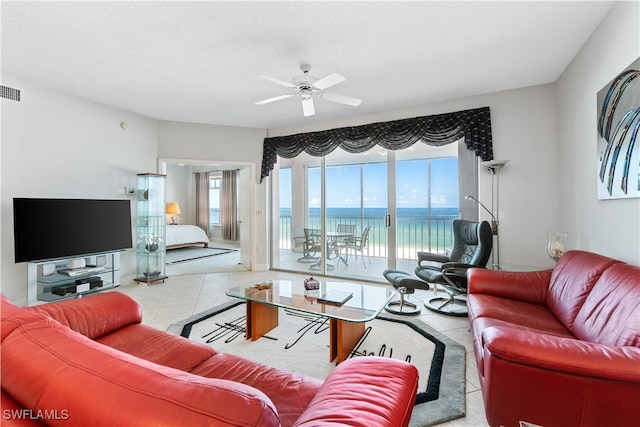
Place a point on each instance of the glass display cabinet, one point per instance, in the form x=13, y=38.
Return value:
x=150, y=228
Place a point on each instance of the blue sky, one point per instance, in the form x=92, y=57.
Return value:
x=343, y=185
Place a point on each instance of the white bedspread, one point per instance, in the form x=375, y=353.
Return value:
x=184, y=234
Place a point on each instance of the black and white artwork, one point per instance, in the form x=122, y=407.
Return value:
x=618, y=128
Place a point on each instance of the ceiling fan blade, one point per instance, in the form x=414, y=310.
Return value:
x=277, y=81
x=330, y=80
x=275, y=98
x=307, y=107
x=334, y=97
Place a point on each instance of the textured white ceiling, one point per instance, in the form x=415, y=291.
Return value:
x=198, y=61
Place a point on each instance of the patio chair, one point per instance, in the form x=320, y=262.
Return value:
x=312, y=245
x=347, y=229
x=358, y=244
x=297, y=239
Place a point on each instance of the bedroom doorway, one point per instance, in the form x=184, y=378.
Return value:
x=181, y=190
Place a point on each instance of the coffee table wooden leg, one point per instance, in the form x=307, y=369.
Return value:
x=261, y=318
x=343, y=337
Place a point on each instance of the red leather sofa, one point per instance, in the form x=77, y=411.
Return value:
x=90, y=362
x=559, y=347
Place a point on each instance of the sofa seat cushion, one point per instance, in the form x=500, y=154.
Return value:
x=158, y=346
x=64, y=370
x=611, y=313
x=291, y=393
x=482, y=324
x=534, y=316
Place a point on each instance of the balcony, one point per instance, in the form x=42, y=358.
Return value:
x=428, y=234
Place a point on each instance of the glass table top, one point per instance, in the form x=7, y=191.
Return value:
x=364, y=305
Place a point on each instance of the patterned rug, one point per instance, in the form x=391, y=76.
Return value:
x=175, y=256
x=300, y=344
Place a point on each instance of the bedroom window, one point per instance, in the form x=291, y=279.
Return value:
x=214, y=200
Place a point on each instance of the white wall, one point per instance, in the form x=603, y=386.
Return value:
x=609, y=227
x=523, y=124
x=56, y=145
x=180, y=190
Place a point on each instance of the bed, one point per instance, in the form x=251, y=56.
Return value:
x=182, y=236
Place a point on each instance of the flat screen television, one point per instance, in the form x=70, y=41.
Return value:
x=46, y=229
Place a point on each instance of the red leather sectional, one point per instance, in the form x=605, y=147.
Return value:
x=90, y=362
x=559, y=347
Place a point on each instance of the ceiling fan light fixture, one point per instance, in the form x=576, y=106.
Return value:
x=307, y=106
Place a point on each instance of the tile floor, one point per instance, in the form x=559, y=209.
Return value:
x=182, y=296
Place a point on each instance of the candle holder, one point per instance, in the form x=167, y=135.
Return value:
x=557, y=244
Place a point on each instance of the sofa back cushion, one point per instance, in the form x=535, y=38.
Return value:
x=611, y=313
x=48, y=367
x=95, y=315
x=572, y=279
x=13, y=316
x=158, y=346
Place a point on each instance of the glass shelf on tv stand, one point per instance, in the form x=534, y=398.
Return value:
x=40, y=286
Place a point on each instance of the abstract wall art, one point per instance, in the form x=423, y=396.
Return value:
x=618, y=128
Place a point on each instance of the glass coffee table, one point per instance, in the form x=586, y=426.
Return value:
x=346, y=320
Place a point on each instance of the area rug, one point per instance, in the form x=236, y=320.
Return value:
x=175, y=256
x=300, y=344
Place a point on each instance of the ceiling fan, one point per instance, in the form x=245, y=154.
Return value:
x=306, y=86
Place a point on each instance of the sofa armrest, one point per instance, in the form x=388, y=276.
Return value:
x=98, y=385
x=528, y=286
x=566, y=355
x=575, y=382
x=364, y=392
x=14, y=415
x=96, y=315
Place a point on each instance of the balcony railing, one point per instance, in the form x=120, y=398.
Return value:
x=432, y=234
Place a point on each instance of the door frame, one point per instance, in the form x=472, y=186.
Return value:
x=247, y=224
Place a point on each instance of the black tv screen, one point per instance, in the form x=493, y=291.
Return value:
x=62, y=228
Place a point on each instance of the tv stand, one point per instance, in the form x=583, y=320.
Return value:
x=64, y=283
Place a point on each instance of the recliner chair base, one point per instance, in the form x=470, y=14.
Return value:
x=450, y=305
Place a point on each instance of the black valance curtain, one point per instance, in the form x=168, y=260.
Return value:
x=474, y=125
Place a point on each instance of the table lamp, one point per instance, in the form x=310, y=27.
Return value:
x=173, y=209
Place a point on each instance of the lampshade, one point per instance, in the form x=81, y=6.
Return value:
x=173, y=208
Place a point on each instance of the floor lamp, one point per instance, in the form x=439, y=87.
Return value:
x=494, y=167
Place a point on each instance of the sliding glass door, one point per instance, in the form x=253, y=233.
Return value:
x=427, y=201
x=355, y=215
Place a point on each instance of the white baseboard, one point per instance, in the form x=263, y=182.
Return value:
x=260, y=267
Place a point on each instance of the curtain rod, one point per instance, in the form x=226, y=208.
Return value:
x=217, y=170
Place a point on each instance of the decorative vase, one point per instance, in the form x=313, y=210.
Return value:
x=557, y=244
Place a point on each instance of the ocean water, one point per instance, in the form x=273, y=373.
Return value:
x=380, y=213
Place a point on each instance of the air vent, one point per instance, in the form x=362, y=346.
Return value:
x=9, y=93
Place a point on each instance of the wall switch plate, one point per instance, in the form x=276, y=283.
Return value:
x=129, y=191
